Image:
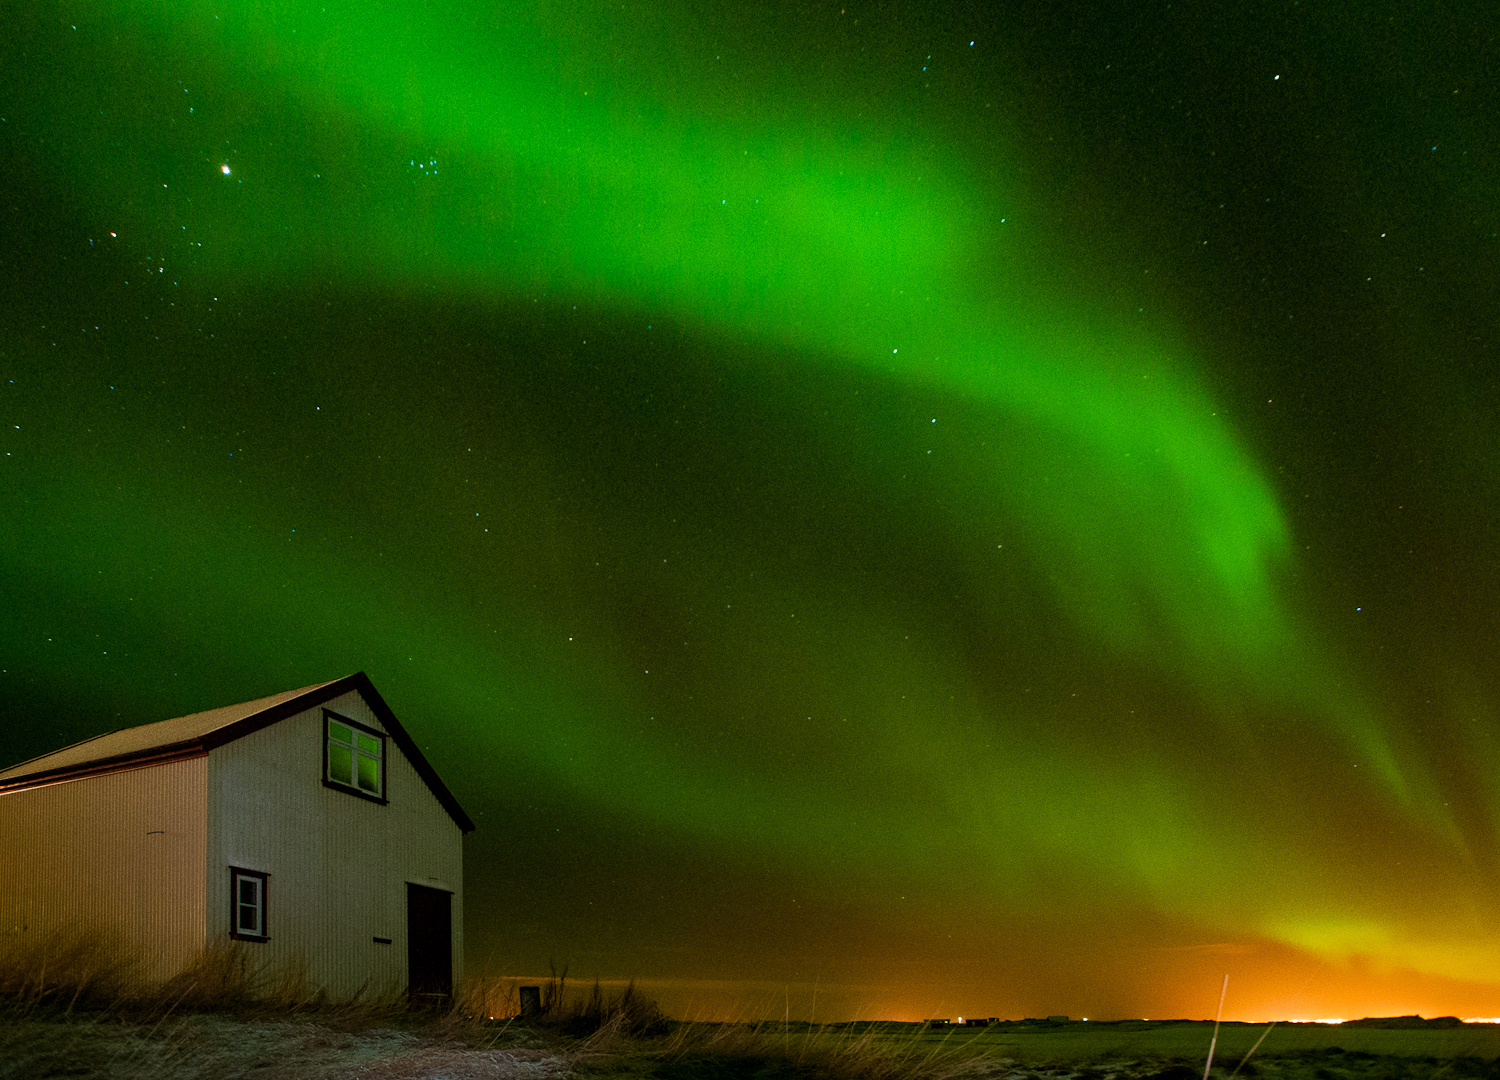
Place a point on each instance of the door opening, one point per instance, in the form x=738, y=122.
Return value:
x=429, y=943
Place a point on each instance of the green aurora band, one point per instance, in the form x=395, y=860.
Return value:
x=1165, y=536
x=467, y=150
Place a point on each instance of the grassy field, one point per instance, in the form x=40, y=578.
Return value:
x=75, y=1011
x=1190, y=1040
x=1082, y=1040
x=314, y=1044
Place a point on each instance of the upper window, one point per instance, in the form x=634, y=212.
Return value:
x=247, y=912
x=353, y=757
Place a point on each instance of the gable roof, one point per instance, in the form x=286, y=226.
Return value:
x=197, y=734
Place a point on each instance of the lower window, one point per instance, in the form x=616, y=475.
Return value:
x=247, y=904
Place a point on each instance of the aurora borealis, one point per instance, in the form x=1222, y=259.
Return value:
x=875, y=511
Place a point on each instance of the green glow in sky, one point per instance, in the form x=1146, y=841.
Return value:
x=815, y=497
x=1158, y=530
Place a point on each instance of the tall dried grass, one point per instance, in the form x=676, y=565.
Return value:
x=595, y=1015
x=96, y=970
x=831, y=1052
x=76, y=969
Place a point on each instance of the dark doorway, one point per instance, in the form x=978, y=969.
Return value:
x=429, y=943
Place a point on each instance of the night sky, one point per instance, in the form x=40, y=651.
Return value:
x=875, y=510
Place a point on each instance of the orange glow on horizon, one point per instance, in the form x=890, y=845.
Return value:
x=1268, y=982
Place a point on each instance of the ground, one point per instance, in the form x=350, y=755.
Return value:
x=317, y=1045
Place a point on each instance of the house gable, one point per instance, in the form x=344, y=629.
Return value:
x=327, y=867
x=196, y=735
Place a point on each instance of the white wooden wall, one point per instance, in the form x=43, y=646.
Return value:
x=120, y=855
x=338, y=864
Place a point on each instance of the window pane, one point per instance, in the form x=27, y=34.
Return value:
x=340, y=764
x=340, y=732
x=368, y=745
x=249, y=909
x=369, y=774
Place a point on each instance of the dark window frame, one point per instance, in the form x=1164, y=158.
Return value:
x=331, y=717
x=236, y=874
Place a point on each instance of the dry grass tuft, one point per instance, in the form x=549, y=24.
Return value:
x=601, y=1019
x=83, y=970
x=93, y=971
x=832, y=1053
x=225, y=1046
x=221, y=976
x=77, y=1005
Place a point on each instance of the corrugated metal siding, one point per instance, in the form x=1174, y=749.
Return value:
x=338, y=864
x=120, y=854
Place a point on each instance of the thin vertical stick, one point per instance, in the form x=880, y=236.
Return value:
x=1254, y=1048
x=1217, y=1017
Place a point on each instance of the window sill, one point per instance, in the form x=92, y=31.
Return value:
x=360, y=792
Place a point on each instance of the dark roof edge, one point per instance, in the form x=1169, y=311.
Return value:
x=238, y=729
x=49, y=753
x=139, y=759
x=248, y=725
x=424, y=769
x=327, y=692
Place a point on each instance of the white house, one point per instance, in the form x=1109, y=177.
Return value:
x=307, y=825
